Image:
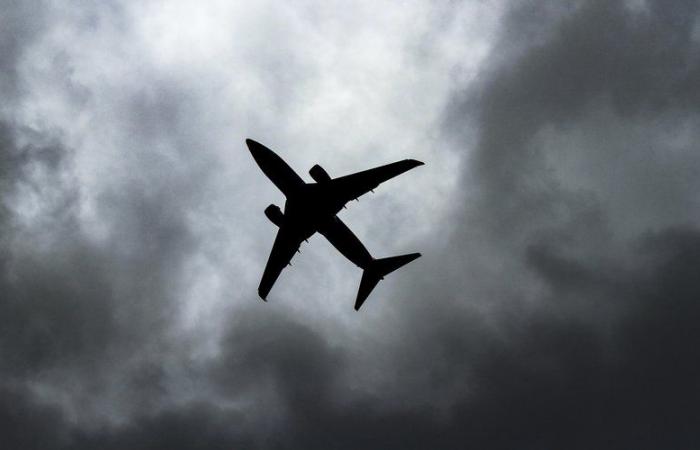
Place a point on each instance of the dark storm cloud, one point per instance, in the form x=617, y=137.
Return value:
x=21, y=22
x=26, y=424
x=71, y=305
x=640, y=62
x=61, y=289
x=81, y=317
x=591, y=338
x=542, y=323
x=547, y=381
x=600, y=356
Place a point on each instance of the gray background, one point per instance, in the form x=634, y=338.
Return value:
x=556, y=304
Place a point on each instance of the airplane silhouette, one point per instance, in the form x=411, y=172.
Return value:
x=313, y=207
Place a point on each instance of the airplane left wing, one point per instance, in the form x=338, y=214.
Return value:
x=350, y=187
x=286, y=244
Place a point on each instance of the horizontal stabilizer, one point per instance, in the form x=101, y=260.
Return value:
x=377, y=270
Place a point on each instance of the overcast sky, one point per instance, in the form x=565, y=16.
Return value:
x=556, y=302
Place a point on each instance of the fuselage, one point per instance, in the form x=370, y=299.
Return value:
x=309, y=207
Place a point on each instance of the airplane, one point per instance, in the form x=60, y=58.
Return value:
x=313, y=207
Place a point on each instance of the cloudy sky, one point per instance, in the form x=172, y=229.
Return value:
x=556, y=302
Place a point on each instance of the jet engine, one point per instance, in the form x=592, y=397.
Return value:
x=319, y=174
x=275, y=215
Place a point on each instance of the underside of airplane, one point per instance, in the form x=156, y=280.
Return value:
x=313, y=207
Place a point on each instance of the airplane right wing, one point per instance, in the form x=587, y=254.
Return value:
x=350, y=187
x=285, y=245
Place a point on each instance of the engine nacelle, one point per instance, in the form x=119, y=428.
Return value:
x=274, y=213
x=319, y=174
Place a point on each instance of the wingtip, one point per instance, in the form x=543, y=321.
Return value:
x=415, y=162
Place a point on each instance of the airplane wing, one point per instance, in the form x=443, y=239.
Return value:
x=353, y=186
x=286, y=244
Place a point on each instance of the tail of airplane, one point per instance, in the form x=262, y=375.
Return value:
x=377, y=270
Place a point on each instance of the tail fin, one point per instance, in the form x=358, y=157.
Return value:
x=377, y=270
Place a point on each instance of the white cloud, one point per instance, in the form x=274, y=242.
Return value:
x=155, y=99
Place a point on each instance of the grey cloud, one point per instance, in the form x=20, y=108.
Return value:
x=83, y=318
x=543, y=320
x=21, y=23
x=638, y=62
x=597, y=317
x=28, y=424
x=547, y=380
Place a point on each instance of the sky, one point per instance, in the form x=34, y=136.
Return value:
x=556, y=302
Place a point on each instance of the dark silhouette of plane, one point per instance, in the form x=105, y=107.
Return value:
x=312, y=207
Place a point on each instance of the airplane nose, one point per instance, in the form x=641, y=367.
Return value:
x=261, y=154
x=250, y=143
x=254, y=147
